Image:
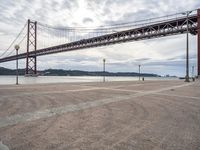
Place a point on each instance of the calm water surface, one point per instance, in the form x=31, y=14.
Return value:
x=61, y=79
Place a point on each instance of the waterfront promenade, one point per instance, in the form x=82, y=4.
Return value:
x=133, y=115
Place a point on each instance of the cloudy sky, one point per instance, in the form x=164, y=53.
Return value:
x=162, y=56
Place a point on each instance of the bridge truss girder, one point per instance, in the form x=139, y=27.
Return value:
x=148, y=32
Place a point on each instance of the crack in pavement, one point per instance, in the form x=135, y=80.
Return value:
x=73, y=90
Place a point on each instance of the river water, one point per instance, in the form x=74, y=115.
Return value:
x=65, y=79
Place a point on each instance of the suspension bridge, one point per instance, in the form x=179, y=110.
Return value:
x=37, y=39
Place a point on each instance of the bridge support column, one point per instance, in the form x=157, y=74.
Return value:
x=31, y=61
x=198, y=42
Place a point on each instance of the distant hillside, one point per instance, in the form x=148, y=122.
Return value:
x=61, y=72
x=5, y=71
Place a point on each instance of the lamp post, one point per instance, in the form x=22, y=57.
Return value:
x=104, y=68
x=192, y=71
x=139, y=71
x=17, y=72
x=187, y=47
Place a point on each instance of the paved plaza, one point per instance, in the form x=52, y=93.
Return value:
x=133, y=115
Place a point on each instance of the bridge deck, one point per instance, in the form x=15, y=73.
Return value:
x=115, y=115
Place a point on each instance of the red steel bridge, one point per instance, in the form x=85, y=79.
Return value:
x=95, y=37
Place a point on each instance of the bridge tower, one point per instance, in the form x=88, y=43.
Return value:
x=31, y=61
x=198, y=42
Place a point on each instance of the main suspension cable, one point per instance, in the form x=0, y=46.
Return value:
x=14, y=41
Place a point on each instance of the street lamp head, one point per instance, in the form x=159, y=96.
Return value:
x=17, y=47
